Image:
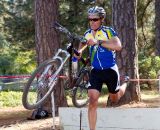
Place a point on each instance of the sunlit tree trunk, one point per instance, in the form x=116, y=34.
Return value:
x=47, y=41
x=125, y=23
x=157, y=23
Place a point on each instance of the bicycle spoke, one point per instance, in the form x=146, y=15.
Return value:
x=40, y=85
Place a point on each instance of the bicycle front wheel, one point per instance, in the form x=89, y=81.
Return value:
x=80, y=95
x=40, y=84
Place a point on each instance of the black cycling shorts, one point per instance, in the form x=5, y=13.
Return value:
x=108, y=76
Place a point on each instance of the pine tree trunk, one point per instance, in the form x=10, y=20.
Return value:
x=157, y=23
x=125, y=23
x=48, y=42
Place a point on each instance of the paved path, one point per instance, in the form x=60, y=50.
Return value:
x=112, y=118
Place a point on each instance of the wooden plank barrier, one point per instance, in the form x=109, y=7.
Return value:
x=111, y=119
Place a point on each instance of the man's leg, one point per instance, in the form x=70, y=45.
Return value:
x=92, y=108
x=119, y=94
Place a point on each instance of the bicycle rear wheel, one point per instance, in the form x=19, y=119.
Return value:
x=40, y=84
x=80, y=96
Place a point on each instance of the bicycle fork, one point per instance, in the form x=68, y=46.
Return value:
x=62, y=60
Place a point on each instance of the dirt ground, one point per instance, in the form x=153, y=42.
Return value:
x=16, y=118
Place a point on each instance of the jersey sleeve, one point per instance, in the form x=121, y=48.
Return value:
x=88, y=35
x=111, y=33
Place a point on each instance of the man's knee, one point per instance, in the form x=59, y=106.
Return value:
x=93, y=96
x=93, y=101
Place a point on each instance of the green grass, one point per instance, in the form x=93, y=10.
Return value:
x=148, y=94
x=10, y=99
x=14, y=98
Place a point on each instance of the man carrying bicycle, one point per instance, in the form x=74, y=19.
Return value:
x=103, y=43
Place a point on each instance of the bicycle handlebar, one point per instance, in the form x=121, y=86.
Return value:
x=71, y=36
x=59, y=27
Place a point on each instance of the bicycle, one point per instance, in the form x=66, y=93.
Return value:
x=46, y=76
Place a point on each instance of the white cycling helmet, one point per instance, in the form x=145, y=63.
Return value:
x=97, y=12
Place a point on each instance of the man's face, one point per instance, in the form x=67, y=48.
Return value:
x=95, y=22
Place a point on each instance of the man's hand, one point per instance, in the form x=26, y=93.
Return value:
x=92, y=42
x=78, y=57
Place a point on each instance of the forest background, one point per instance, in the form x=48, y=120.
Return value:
x=17, y=34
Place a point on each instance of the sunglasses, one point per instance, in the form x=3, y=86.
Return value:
x=94, y=20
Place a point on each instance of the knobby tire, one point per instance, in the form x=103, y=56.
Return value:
x=53, y=64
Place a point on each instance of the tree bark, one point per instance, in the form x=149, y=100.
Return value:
x=125, y=23
x=47, y=42
x=157, y=23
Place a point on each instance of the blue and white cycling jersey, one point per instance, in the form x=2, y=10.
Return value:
x=101, y=58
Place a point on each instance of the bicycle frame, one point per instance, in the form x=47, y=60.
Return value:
x=61, y=59
x=47, y=73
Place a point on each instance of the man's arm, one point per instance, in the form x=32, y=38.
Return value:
x=114, y=44
x=81, y=48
